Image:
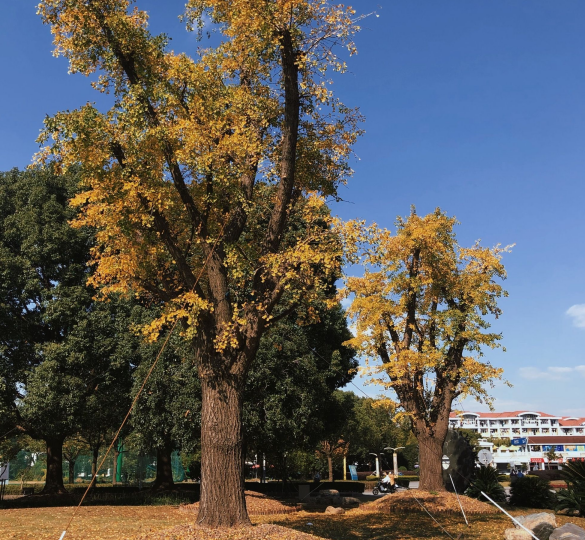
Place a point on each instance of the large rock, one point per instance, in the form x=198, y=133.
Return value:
x=328, y=493
x=461, y=461
x=517, y=534
x=541, y=524
x=350, y=501
x=568, y=532
x=333, y=510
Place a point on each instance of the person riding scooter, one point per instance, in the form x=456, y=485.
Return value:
x=386, y=485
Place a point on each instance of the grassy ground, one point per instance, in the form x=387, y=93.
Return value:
x=115, y=522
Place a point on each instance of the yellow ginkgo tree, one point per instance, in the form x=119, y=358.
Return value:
x=206, y=182
x=420, y=308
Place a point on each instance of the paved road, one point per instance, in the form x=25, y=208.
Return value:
x=412, y=485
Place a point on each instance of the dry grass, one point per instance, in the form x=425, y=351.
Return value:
x=435, y=503
x=158, y=523
x=258, y=504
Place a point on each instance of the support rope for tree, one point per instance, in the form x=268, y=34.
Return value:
x=141, y=388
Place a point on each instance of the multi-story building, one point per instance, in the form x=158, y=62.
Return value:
x=537, y=434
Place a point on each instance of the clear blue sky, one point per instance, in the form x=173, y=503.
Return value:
x=477, y=107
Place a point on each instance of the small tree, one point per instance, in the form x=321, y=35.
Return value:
x=551, y=456
x=420, y=307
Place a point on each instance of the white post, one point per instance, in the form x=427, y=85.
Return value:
x=377, y=467
x=395, y=458
x=511, y=517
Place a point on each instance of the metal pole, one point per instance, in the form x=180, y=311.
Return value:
x=511, y=517
x=377, y=467
x=460, y=505
x=395, y=459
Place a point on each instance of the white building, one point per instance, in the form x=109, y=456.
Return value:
x=536, y=433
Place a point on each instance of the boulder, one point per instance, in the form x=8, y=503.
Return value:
x=333, y=510
x=349, y=501
x=328, y=493
x=541, y=524
x=568, y=532
x=517, y=534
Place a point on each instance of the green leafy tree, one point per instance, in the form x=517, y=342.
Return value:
x=167, y=417
x=42, y=290
x=291, y=384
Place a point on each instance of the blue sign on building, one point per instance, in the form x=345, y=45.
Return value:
x=519, y=442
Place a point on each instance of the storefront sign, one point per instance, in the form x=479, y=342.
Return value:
x=536, y=460
x=519, y=441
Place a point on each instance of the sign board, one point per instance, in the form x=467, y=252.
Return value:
x=446, y=462
x=4, y=471
x=521, y=441
x=536, y=460
x=353, y=472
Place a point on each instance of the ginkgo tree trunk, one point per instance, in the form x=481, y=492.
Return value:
x=420, y=308
x=206, y=181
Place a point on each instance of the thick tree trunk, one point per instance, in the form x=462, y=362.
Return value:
x=164, y=470
x=431, y=469
x=222, y=501
x=330, y=465
x=71, y=471
x=430, y=447
x=116, y=453
x=94, y=460
x=54, y=477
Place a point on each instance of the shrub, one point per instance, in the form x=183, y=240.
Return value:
x=486, y=480
x=549, y=474
x=402, y=469
x=372, y=477
x=532, y=492
x=573, y=498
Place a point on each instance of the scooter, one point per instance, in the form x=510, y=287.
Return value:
x=384, y=487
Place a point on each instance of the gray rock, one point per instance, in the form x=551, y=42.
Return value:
x=541, y=524
x=532, y=520
x=517, y=534
x=568, y=532
x=350, y=501
x=328, y=493
x=333, y=510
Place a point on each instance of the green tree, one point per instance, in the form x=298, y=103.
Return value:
x=167, y=417
x=292, y=381
x=42, y=290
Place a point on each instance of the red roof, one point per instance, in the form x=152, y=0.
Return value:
x=513, y=414
x=572, y=422
x=557, y=439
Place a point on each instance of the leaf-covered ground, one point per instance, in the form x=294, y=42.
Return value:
x=257, y=503
x=435, y=503
x=161, y=522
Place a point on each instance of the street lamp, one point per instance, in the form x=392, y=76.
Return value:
x=395, y=457
x=377, y=463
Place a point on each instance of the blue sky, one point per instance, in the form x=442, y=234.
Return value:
x=476, y=107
